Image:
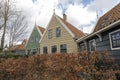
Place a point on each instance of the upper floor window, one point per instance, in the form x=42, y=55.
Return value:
x=115, y=39
x=63, y=48
x=54, y=49
x=58, y=32
x=92, y=45
x=49, y=33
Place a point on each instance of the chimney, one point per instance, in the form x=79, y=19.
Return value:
x=65, y=17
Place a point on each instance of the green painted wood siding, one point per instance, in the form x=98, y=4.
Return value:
x=33, y=42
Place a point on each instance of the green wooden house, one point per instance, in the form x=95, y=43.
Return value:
x=32, y=45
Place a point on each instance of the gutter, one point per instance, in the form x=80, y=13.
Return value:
x=99, y=31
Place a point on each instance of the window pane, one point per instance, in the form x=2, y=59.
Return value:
x=50, y=33
x=54, y=49
x=92, y=45
x=114, y=43
x=115, y=37
x=45, y=50
x=82, y=46
x=63, y=48
x=58, y=32
x=118, y=42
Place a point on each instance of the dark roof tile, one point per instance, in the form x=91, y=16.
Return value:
x=108, y=18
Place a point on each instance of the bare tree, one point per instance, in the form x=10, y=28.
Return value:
x=6, y=11
x=17, y=29
x=12, y=21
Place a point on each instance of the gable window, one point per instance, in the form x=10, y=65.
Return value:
x=32, y=39
x=63, y=48
x=45, y=50
x=92, y=45
x=54, y=49
x=49, y=33
x=115, y=39
x=58, y=32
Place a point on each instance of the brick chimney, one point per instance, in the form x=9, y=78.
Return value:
x=65, y=17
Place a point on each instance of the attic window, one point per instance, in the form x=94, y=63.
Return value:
x=105, y=20
x=49, y=33
x=58, y=32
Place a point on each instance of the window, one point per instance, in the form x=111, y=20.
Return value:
x=63, y=48
x=58, y=32
x=32, y=39
x=92, y=45
x=115, y=39
x=54, y=49
x=45, y=50
x=82, y=46
x=37, y=38
x=49, y=33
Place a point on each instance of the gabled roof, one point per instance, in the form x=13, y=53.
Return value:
x=73, y=31
x=110, y=17
x=77, y=33
x=41, y=29
x=22, y=46
x=19, y=47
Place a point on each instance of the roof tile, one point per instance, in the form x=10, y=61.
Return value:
x=41, y=29
x=108, y=18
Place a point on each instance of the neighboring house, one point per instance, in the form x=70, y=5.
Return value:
x=33, y=45
x=60, y=36
x=18, y=49
x=105, y=36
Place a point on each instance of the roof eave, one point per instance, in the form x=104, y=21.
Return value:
x=99, y=31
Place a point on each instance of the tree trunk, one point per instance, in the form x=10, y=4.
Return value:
x=3, y=36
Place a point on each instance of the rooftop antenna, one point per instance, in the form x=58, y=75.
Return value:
x=54, y=7
x=35, y=21
x=54, y=11
x=97, y=15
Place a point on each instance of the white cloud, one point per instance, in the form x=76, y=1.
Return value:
x=78, y=14
x=86, y=16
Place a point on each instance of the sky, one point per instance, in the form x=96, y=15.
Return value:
x=80, y=13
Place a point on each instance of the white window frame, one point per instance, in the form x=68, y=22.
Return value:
x=111, y=40
x=90, y=45
x=50, y=34
x=56, y=32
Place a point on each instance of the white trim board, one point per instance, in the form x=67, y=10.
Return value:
x=111, y=40
x=93, y=45
x=47, y=28
x=99, y=31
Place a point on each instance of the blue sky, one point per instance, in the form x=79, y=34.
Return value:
x=85, y=2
